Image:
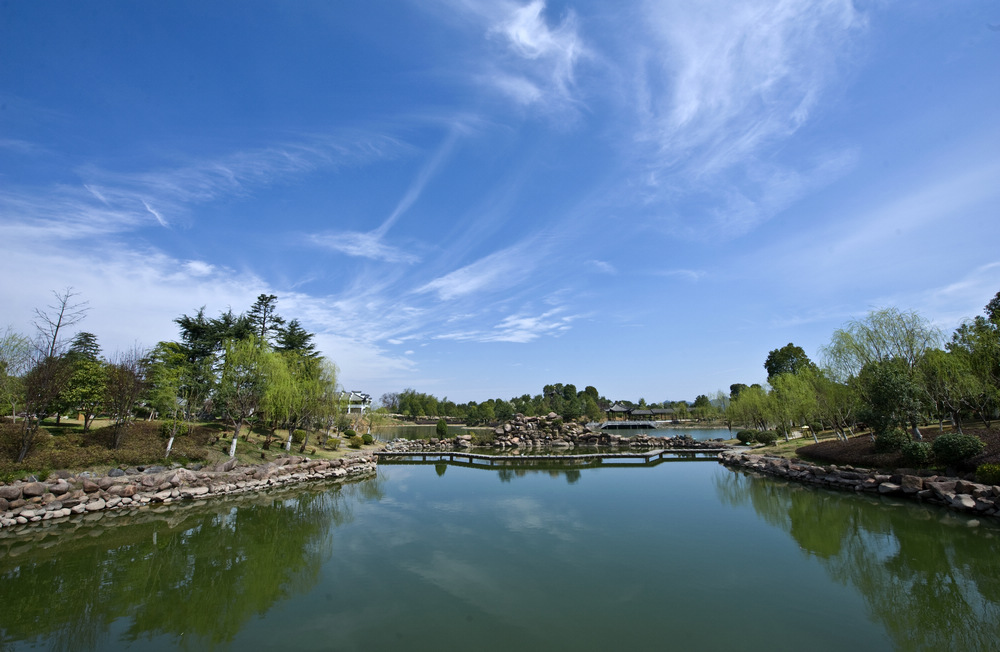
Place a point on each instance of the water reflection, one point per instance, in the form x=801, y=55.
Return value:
x=192, y=574
x=927, y=576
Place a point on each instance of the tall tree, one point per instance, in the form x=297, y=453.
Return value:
x=52, y=323
x=789, y=359
x=884, y=334
x=264, y=319
x=294, y=338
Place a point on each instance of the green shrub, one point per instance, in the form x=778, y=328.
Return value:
x=333, y=443
x=988, y=474
x=767, y=437
x=367, y=439
x=917, y=453
x=349, y=433
x=357, y=441
x=298, y=436
x=954, y=447
x=746, y=437
x=891, y=441
x=174, y=428
x=441, y=429
x=484, y=437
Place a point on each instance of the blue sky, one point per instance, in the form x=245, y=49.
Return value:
x=475, y=199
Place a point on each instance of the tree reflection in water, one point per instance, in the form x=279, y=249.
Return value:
x=928, y=577
x=194, y=574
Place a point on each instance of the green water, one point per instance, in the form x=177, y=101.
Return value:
x=682, y=555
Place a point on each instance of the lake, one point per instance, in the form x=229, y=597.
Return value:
x=683, y=554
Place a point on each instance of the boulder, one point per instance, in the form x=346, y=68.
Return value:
x=95, y=505
x=10, y=491
x=60, y=488
x=89, y=486
x=123, y=490
x=33, y=489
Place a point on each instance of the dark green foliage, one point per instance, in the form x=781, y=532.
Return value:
x=174, y=428
x=890, y=441
x=349, y=433
x=484, y=437
x=917, y=453
x=298, y=436
x=891, y=397
x=442, y=428
x=789, y=359
x=767, y=437
x=357, y=441
x=988, y=473
x=367, y=439
x=953, y=448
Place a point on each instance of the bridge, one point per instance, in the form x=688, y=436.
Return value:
x=481, y=460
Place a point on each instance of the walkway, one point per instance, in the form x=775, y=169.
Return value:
x=643, y=458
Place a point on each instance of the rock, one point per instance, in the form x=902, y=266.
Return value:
x=116, y=473
x=912, y=484
x=229, y=465
x=888, y=488
x=60, y=488
x=963, y=501
x=89, y=486
x=4, y=505
x=95, y=505
x=10, y=491
x=33, y=489
x=106, y=482
x=122, y=490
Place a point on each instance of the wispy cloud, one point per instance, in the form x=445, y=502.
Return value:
x=498, y=270
x=719, y=86
x=370, y=244
x=602, y=266
x=537, y=60
x=519, y=328
x=686, y=274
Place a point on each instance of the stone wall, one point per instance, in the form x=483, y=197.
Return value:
x=22, y=503
x=923, y=485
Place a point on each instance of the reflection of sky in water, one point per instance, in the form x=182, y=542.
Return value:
x=419, y=560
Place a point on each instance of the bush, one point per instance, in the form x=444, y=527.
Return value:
x=988, y=474
x=332, y=443
x=298, y=436
x=917, y=453
x=357, y=441
x=890, y=441
x=178, y=428
x=367, y=439
x=349, y=433
x=746, y=437
x=954, y=447
x=441, y=429
x=767, y=437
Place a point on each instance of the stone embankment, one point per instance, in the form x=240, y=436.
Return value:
x=30, y=502
x=550, y=432
x=955, y=493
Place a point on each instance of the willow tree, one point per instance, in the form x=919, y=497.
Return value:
x=887, y=344
x=243, y=383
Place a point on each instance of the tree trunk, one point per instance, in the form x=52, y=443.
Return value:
x=305, y=440
x=170, y=444
x=288, y=442
x=916, y=432
x=236, y=436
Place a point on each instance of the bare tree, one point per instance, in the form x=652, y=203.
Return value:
x=60, y=315
x=126, y=378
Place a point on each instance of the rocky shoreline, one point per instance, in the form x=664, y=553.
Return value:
x=923, y=485
x=550, y=432
x=23, y=503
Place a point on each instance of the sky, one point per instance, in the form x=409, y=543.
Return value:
x=475, y=199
